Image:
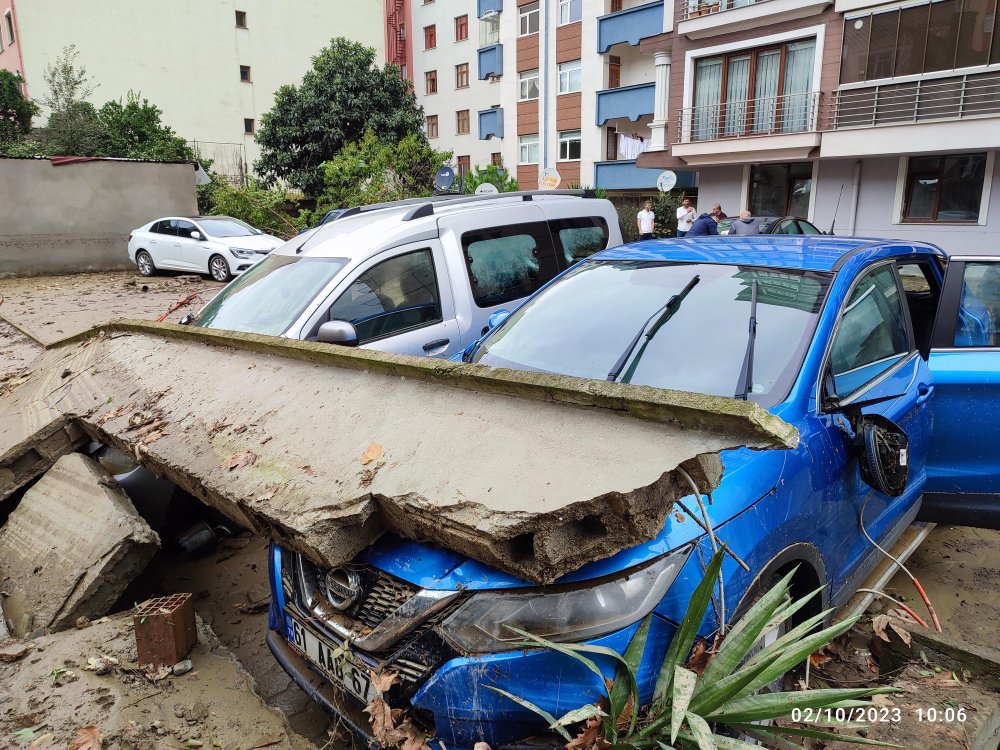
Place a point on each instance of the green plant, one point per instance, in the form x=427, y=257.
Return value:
x=264, y=208
x=665, y=207
x=344, y=95
x=132, y=129
x=700, y=712
x=495, y=175
x=16, y=110
x=626, y=218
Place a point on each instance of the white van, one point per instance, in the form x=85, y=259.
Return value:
x=420, y=276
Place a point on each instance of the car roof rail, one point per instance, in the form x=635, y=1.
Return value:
x=525, y=195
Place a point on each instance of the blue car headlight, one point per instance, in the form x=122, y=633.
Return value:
x=570, y=613
x=241, y=252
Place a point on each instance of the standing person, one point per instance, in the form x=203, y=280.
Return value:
x=745, y=224
x=706, y=224
x=685, y=217
x=645, y=221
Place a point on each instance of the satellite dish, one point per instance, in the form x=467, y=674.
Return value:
x=549, y=179
x=487, y=188
x=666, y=181
x=444, y=178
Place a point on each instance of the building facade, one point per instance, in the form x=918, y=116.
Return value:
x=557, y=84
x=212, y=66
x=872, y=118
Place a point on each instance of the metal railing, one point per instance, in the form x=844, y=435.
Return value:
x=698, y=9
x=776, y=115
x=918, y=101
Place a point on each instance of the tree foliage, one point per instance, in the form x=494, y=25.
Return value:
x=372, y=171
x=342, y=97
x=132, y=128
x=266, y=209
x=493, y=174
x=68, y=84
x=16, y=110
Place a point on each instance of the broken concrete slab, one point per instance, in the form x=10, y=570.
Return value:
x=325, y=448
x=71, y=547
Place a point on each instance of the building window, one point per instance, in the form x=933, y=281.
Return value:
x=527, y=149
x=611, y=145
x=431, y=82
x=9, y=23
x=527, y=19
x=249, y=125
x=245, y=73
x=432, y=126
x=241, y=19
x=496, y=159
x=489, y=30
x=569, y=77
x=757, y=91
x=780, y=189
x=464, y=164
x=945, y=189
x=616, y=6
x=614, y=72
x=461, y=28
x=570, y=11
x=918, y=39
x=462, y=76
x=462, y=122
x=527, y=82
x=430, y=37
x=569, y=145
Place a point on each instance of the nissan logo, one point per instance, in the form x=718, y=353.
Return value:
x=343, y=587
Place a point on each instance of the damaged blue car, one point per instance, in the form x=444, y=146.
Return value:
x=882, y=354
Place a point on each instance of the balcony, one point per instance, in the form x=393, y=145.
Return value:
x=930, y=114
x=632, y=102
x=704, y=19
x=631, y=26
x=484, y=7
x=773, y=128
x=625, y=175
x=490, y=61
x=490, y=123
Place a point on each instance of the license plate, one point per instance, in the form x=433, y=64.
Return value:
x=343, y=671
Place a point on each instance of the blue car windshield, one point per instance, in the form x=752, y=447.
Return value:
x=271, y=295
x=583, y=323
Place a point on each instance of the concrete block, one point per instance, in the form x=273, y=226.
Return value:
x=71, y=546
x=323, y=448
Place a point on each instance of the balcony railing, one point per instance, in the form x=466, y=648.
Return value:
x=631, y=25
x=698, y=9
x=490, y=123
x=632, y=102
x=776, y=115
x=952, y=98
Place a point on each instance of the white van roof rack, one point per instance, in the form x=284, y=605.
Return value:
x=426, y=205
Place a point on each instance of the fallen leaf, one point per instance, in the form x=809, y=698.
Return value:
x=589, y=737
x=46, y=742
x=308, y=470
x=238, y=461
x=881, y=624
x=819, y=658
x=372, y=453
x=87, y=738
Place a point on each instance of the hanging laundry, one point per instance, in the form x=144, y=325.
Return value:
x=630, y=146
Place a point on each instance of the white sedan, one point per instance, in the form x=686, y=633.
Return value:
x=220, y=246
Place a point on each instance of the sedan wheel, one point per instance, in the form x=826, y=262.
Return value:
x=145, y=263
x=219, y=269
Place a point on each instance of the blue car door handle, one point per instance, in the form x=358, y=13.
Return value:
x=924, y=393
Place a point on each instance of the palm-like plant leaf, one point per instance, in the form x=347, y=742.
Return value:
x=553, y=722
x=683, y=688
x=766, y=706
x=814, y=733
x=622, y=688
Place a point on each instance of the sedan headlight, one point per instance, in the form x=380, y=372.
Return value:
x=570, y=613
x=241, y=252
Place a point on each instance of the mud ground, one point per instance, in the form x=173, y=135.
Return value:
x=50, y=308
x=51, y=691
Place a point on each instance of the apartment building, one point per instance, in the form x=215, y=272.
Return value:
x=875, y=118
x=538, y=84
x=212, y=66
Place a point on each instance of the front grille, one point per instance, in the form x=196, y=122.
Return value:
x=383, y=597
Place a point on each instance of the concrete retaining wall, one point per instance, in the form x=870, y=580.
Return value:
x=77, y=217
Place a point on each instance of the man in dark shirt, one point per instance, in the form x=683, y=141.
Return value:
x=706, y=224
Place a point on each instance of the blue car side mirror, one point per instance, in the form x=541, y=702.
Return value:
x=497, y=318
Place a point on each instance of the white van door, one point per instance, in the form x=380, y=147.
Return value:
x=399, y=301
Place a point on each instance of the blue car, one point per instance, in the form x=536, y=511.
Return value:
x=885, y=355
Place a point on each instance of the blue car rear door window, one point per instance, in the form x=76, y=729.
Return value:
x=872, y=335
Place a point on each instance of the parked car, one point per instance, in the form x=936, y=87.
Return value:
x=220, y=246
x=819, y=331
x=774, y=225
x=419, y=276
x=332, y=215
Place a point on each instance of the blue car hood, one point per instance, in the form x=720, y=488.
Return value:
x=748, y=476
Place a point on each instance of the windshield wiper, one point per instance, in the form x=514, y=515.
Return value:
x=745, y=384
x=662, y=315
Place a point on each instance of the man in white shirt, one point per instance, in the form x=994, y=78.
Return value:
x=645, y=221
x=685, y=217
